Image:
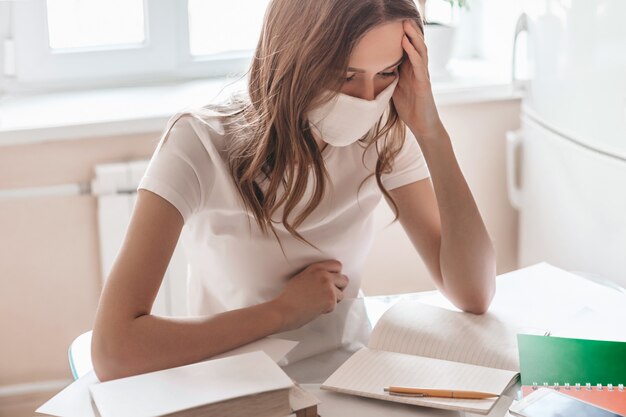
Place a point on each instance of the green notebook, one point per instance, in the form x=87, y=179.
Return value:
x=564, y=360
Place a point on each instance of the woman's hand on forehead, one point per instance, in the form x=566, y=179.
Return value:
x=413, y=97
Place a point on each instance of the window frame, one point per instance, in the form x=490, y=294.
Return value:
x=163, y=56
x=38, y=66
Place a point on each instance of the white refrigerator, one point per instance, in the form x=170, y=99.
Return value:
x=566, y=165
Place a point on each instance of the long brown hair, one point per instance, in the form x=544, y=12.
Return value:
x=304, y=48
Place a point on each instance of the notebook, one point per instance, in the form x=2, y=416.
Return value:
x=414, y=344
x=591, y=370
x=247, y=384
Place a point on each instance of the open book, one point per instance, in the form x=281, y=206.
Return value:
x=418, y=345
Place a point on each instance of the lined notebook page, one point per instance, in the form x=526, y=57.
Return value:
x=368, y=371
x=419, y=329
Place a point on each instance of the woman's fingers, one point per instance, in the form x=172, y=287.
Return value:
x=417, y=39
x=414, y=56
x=413, y=43
x=341, y=281
x=338, y=294
x=419, y=67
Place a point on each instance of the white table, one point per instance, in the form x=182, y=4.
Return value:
x=539, y=296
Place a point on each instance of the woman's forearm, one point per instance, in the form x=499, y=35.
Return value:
x=148, y=343
x=467, y=255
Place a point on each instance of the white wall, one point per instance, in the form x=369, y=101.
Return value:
x=5, y=9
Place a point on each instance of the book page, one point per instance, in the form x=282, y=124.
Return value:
x=368, y=372
x=419, y=329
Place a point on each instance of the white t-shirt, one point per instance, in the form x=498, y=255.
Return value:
x=231, y=264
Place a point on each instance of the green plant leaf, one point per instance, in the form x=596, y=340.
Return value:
x=459, y=3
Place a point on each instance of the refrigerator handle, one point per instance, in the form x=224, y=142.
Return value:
x=513, y=143
x=520, y=26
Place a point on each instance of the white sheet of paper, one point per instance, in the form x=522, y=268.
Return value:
x=527, y=297
x=275, y=348
x=588, y=323
x=75, y=401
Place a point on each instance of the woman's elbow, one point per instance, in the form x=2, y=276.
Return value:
x=476, y=308
x=480, y=304
x=107, y=359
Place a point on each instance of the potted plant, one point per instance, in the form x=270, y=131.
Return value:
x=440, y=38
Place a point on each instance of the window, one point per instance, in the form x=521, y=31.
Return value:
x=73, y=44
x=75, y=24
x=69, y=44
x=232, y=26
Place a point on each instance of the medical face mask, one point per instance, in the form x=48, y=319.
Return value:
x=345, y=119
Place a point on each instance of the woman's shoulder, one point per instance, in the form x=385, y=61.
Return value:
x=189, y=159
x=210, y=125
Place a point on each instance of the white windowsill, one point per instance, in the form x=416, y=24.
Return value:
x=136, y=110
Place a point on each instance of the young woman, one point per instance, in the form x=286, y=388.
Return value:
x=275, y=191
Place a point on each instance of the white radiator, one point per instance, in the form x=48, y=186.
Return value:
x=115, y=186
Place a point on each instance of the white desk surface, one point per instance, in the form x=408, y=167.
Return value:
x=540, y=296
